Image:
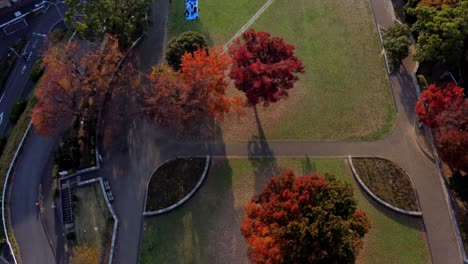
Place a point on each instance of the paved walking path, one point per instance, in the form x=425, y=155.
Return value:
x=148, y=147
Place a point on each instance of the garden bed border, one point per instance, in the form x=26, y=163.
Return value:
x=183, y=200
x=371, y=194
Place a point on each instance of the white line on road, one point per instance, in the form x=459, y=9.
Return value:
x=1, y=118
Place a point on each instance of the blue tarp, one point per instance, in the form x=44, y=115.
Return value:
x=191, y=9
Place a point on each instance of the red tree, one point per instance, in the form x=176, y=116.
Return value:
x=452, y=135
x=434, y=100
x=264, y=68
x=304, y=220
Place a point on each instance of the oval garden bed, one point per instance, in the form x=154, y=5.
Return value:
x=173, y=181
x=387, y=181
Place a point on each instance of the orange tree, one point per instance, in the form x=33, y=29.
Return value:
x=198, y=91
x=307, y=219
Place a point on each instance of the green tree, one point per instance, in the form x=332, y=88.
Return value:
x=396, y=41
x=442, y=33
x=124, y=19
x=188, y=41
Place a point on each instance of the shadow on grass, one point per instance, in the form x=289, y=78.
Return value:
x=412, y=222
x=205, y=229
x=261, y=157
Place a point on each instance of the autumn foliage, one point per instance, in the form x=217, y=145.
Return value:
x=76, y=84
x=308, y=219
x=198, y=91
x=452, y=135
x=85, y=255
x=434, y=100
x=264, y=67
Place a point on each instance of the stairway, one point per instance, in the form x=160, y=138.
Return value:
x=67, y=206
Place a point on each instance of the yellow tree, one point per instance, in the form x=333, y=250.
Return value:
x=85, y=255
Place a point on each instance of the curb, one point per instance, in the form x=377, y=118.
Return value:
x=429, y=155
x=183, y=200
x=371, y=194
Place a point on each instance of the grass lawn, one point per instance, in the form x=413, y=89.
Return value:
x=344, y=94
x=388, y=181
x=93, y=220
x=207, y=228
x=219, y=20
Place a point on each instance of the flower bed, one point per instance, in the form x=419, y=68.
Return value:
x=172, y=181
x=387, y=181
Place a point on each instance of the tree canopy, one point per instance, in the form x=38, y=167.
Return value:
x=452, y=135
x=396, y=41
x=434, y=100
x=124, y=19
x=198, y=91
x=77, y=83
x=442, y=33
x=188, y=41
x=307, y=219
x=264, y=67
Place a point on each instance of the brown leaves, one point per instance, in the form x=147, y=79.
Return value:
x=77, y=82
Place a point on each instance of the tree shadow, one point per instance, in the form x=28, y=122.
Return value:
x=406, y=92
x=308, y=166
x=261, y=156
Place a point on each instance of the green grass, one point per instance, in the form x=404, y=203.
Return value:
x=93, y=221
x=219, y=20
x=207, y=228
x=346, y=95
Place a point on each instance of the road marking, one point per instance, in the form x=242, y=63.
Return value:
x=1, y=118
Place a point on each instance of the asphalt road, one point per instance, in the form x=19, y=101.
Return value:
x=24, y=214
x=19, y=85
